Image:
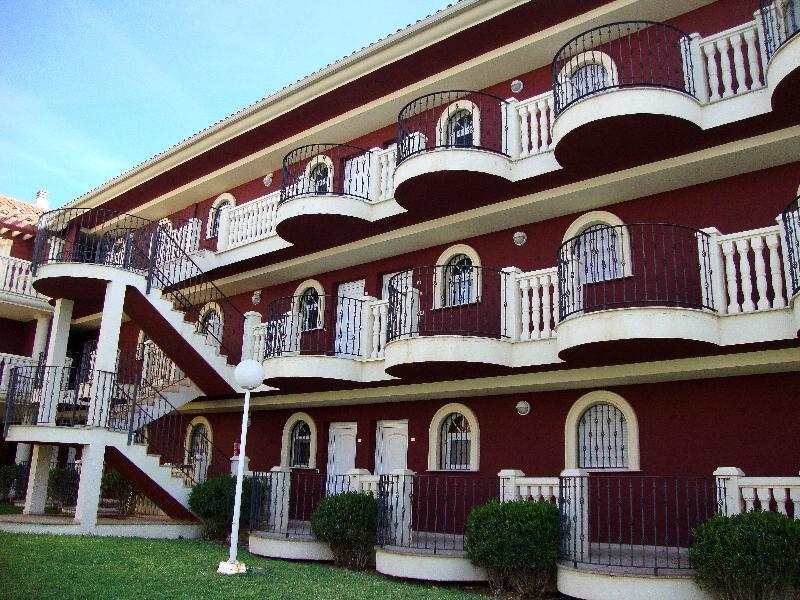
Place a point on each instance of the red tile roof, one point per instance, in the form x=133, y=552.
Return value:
x=18, y=214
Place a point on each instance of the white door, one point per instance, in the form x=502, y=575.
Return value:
x=356, y=176
x=391, y=446
x=348, y=318
x=341, y=455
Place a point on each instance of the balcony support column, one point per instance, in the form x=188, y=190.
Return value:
x=40, y=337
x=252, y=320
x=105, y=364
x=92, y=457
x=36, y=496
x=56, y=357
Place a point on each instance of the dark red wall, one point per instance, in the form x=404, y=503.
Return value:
x=17, y=336
x=685, y=428
x=19, y=248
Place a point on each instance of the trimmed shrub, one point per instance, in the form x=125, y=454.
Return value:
x=114, y=486
x=62, y=486
x=751, y=556
x=212, y=501
x=347, y=522
x=517, y=543
x=8, y=475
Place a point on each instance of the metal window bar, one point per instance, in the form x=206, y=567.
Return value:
x=619, y=55
x=455, y=438
x=602, y=438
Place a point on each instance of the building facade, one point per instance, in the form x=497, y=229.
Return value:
x=542, y=250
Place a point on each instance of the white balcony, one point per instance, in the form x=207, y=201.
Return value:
x=18, y=299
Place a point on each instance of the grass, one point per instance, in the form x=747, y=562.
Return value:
x=47, y=566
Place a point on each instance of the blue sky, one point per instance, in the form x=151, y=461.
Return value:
x=90, y=89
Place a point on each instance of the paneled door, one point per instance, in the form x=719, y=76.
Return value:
x=348, y=318
x=341, y=456
x=391, y=446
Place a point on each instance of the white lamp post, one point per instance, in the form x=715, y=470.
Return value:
x=249, y=375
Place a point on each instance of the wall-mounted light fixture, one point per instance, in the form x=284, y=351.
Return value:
x=523, y=407
x=256, y=298
x=520, y=237
x=267, y=181
x=516, y=86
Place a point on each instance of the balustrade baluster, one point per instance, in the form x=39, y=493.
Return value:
x=748, y=498
x=776, y=271
x=384, y=310
x=757, y=244
x=546, y=307
x=742, y=247
x=725, y=66
x=525, y=305
x=738, y=62
x=544, y=137
x=730, y=278
x=536, y=285
x=779, y=494
x=376, y=331
x=710, y=51
x=752, y=59
x=525, y=130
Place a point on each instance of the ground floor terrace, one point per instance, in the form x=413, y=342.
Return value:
x=633, y=469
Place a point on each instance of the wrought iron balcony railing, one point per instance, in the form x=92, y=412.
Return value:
x=452, y=299
x=640, y=264
x=781, y=20
x=328, y=170
x=620, y=55
x=791, y=226
x=452, y=119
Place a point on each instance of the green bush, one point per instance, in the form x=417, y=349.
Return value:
x=753, y=556
x=517, y=543
x=62, y=486
x=347, y=522
x=8, y=475
x=114, y=486
x=212, y=501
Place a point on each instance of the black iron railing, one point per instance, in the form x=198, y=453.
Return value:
x=315, y=325
x=327, y=170
x=619, y=55
x=452, y=119
x=452, y=299
x=639, y=264
x=781, y=20
x=631, y=521
x=282, y=502
x=429, y=512
x=791, y=225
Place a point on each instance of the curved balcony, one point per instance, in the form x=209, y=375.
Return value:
x=317, y=342
x=452, y=146
x=624, y=91
x=781, y=22
x=448, y=321
x=327, y=189
x=641, y=290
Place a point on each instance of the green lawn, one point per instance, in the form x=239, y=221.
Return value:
x=45, y=566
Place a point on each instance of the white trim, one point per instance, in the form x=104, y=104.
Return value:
x=298, y=293
x=584, y=59
x=603, y=217
x=434, y=437
x=571, y=427
x=312, y=164
x=452, y=109
x=444, y=259
x=226, y=197
x=199, y=420
x=286, y=440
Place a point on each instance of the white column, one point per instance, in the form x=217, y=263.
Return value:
x=92, y=457
x=728, y=489
x=106, y=362
x=508, y=484
x=365, y=333
x=510, y=317
x=40, y=337
x=23, y=453
x=36, y=496
x=776, y=273
x=235, y=465
x=252, y=319
x=224, y=228
x=374, y=191
x=717, y=264
x=700, y=74
x=513, y=124
x=56, y=357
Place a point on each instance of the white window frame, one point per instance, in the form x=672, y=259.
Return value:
x=312, y=163
x=286, y=444
x=590, y=57
x=214, y=210
x=452, y=109
x=601, y=217
x=573, y=421
x=210, y=339
x=440, y=283
x=296, y=306
x=188, y=440
x=435, y=439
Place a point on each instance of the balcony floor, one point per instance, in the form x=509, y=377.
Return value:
x=622, y=559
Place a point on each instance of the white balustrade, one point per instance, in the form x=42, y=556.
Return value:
x=539, y=304
x=514, y=485
x=248, y=222
x=738, y=493
x=8, y=362
x=753, y=256
x=387, y=162
x=732, y=61
x=536, y=123
x=260, y=341
x=379, y=310
x=16, y=278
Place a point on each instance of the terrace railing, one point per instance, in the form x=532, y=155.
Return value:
x=622, y=55
x=453, y=119
x=329, y=170
x=451, y=299
x=790, y=218
x=639, y=264
x=16, y=277
x=781, y=21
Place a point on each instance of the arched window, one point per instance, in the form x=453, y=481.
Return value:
x=211, y=324
x=214, y=215
x=459, y=281
x=599, y=253
x=319, y=176
x=602, y=438
x=601, y=432
x=300, y=445
x=585, y=74
x=460, y=129
x=308, y=309
x=455, y=438
x=198, y=448
x=198, y=442
x=588, y=78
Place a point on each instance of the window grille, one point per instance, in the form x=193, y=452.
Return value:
x=300, y=445
x=599, y=252
x=458, y=281
x=309, y=310
x=602, y=438
x=461, y=129
x=588, y=78
x=198, y=443
x=214, y=215
x=455, y=439
x=319, y=178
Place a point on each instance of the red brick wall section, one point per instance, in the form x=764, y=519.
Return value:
x=685, y=428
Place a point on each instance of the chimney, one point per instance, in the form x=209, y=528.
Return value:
x=41, y=200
